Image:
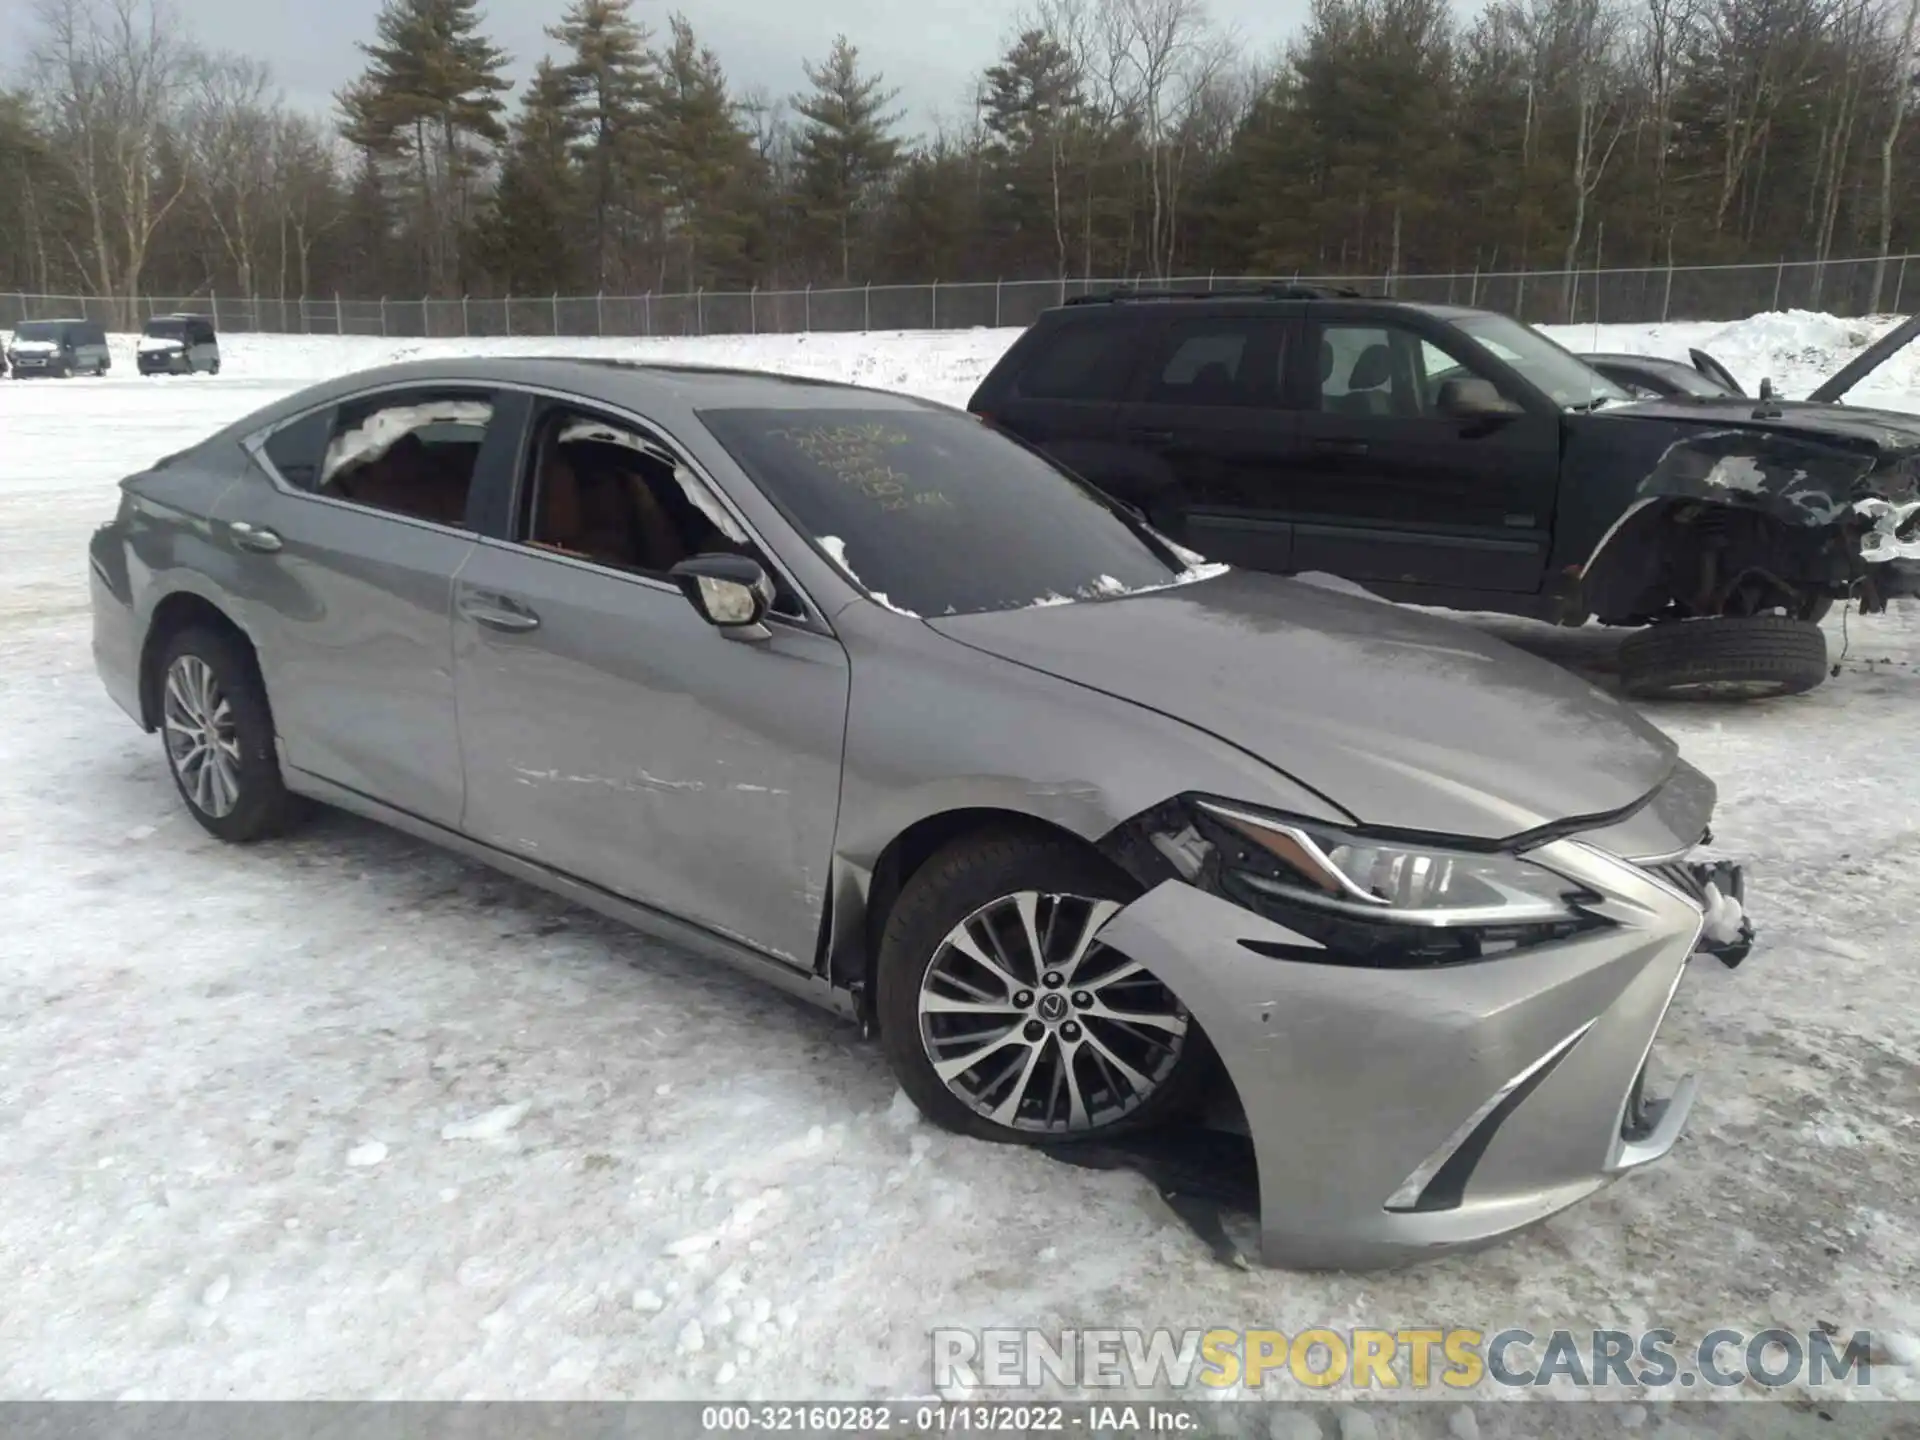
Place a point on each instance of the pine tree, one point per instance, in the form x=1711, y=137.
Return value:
x=712, y=178
x=430, y=101
x=1031, y=108
x=526, y=237
x=611, y=85
x=846, y=151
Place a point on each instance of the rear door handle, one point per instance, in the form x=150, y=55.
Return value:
x=252, y=537
x=1340, y=447
x=498, y=612
x=1151, y=437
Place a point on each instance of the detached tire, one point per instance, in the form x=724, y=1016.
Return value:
x=1749, y=657
x=989, y=1039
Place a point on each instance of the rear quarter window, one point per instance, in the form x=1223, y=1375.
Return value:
x=1077, y=362
x=296, y=451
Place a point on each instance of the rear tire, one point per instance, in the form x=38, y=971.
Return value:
x=1725, y=658
x=1045, y=1042
x=217, y=731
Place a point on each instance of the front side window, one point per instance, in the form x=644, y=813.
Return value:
x=1571, y=382
x=1389, y=371
x=413, y=454
x=605, y=491
x=934, y=514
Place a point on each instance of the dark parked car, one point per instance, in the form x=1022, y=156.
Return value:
x=1654, y=377
x=851, y=691
x=59, y=348
x=1454, y=457
x=178, y=345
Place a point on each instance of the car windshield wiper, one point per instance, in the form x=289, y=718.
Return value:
x=1594, y=404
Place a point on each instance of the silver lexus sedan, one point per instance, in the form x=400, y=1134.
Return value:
x=858, y=694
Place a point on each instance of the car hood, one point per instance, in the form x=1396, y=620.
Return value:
x=158, y=344
x=1401, y=719
x=34, y=347
x=1846, y=424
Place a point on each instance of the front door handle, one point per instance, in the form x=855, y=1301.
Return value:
x=252, y=537
x=1340, y=447
x=1152, y=437
x=497, y=612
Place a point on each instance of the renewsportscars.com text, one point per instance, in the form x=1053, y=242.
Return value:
x=1409, y=1358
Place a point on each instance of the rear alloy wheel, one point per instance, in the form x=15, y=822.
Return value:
x=1003, y=1016
x=1725, y=658
x=218, y=734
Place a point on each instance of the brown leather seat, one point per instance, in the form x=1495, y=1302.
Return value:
x=608, y=514
x=410, y=479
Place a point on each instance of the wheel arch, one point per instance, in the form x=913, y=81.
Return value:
x=860, y=914
x=1658, y=551
x=175, y=612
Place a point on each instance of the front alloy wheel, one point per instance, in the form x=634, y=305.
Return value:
x=1005, y=1017
x=1036, y=1026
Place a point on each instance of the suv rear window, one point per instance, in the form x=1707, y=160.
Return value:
x=1078, y=362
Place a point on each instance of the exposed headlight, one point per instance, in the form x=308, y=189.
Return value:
x=1401, y=883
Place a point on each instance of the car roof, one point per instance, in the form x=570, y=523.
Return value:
x=57, y=320
x=659, y=388
x=1285, y=294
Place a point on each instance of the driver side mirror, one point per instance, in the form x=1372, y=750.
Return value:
x=731, y=592
x=1468, y=397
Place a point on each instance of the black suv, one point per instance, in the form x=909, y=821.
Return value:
x=1448, y=456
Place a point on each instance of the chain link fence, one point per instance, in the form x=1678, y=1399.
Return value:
x=1634, y=296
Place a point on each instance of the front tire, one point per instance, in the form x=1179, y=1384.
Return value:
x=217, y=730
x=1724, y=658
x=1004, y=1019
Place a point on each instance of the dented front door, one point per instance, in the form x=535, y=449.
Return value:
x=611, y=733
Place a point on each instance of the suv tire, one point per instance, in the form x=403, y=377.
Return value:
x=1744, y=657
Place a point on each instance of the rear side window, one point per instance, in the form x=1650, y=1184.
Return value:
x=1219, y=362
x=413, y=452
x=1078, y=362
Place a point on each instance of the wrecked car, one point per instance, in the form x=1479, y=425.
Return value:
x=860, y=696
x=1453, y=457
x=1654, y=377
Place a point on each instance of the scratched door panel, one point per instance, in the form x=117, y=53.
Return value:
x=626, y=741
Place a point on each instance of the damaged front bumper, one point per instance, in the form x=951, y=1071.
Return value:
x=1397, y=1114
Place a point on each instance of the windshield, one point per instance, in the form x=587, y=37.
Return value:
x=51, y=330
x=1567, y=378
x=933, y=513
x=167, y=329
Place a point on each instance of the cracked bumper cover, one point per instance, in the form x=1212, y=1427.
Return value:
x=1397, y=1114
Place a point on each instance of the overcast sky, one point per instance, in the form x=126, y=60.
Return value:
x=928, y=48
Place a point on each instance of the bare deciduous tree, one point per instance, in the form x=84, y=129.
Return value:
x=231, y=133
x=113, y=75
x=1890, y=139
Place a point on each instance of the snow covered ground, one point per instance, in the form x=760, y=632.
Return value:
x=344, y=1116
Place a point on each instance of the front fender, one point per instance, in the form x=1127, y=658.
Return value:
x=1841, y=509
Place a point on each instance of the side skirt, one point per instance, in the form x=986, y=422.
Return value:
x=814, y=989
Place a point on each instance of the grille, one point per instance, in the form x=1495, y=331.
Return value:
x=1682, y=877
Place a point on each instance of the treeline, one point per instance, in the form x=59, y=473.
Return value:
x=1112, y=137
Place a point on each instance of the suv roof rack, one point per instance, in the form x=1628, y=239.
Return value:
x=1281, y=290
